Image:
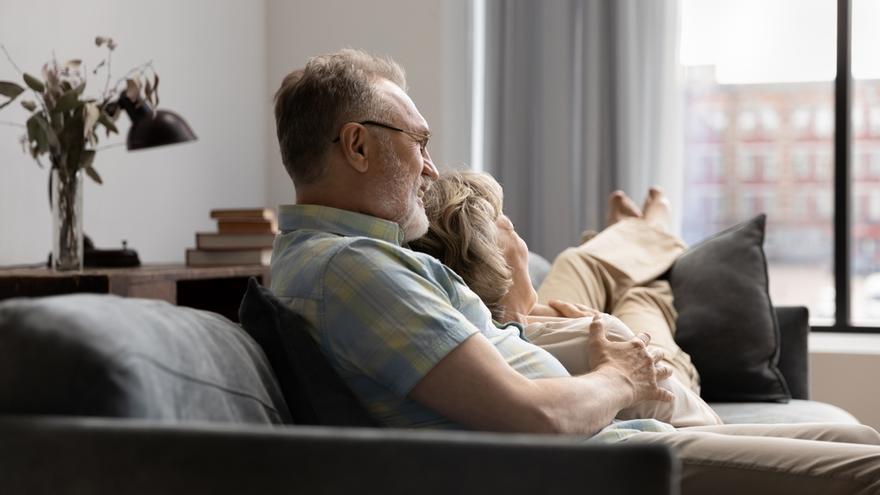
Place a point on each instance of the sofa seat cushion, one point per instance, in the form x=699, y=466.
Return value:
x=795, y=411
x=101, y=355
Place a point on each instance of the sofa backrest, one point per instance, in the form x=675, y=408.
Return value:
x=102, y=355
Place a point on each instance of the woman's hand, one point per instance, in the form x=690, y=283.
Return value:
x=564, y=309
x=543, y=310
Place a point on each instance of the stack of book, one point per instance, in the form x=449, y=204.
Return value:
x=243, y=237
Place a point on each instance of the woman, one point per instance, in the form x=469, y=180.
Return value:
x=612, y=272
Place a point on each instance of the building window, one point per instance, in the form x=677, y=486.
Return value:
x=748, y=121
x=874, y=207
x=824, y=123
x=769, y=119
x=873, y=171
x=801, y=165
x=874, y=120
x=800, y=120
x=824, y=165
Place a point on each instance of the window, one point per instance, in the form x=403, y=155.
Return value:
x=800, y=120
x=873, y=207
x=769, y=119
x=705, y=164
x=823, y=238
x=873, y=171
x=712, y=167
x=768, y=159
x=824, y=204
x=824, y=123
x=780, y=103
x=858, y=122
x=801, y=164
x=874, y=119
x=864, y=232
x=748, y=121
x=747, y=167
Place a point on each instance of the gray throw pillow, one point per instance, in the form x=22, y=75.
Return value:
x=726, y=321
x=102, y=355
x=314, y=392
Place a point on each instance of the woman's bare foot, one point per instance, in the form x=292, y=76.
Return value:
x=657, y=208
x=620, y=206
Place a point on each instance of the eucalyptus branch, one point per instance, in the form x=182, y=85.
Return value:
x=139, y=68
x=102, y=63
x=9, y=57
x=62, y=88
x=107, y=82
x=38, y=96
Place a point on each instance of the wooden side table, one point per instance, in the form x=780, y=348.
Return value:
x=217, y=289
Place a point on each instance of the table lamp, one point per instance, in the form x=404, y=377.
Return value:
x=149, y=128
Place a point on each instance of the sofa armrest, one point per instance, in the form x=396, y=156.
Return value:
x=794, y=330
x=43, y=455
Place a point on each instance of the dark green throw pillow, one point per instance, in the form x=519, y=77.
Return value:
x=314, y=392
x=726, y=321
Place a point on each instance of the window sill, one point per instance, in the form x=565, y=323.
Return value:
x=844, y=343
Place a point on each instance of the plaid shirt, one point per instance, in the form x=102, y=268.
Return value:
x=382, y=314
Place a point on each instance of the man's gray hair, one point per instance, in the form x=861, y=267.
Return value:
x=314, y=102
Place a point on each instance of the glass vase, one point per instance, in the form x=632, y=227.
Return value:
x=67, y=233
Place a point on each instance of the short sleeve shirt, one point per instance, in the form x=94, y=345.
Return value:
x=383, y=314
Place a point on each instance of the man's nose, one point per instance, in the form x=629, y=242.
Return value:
x=429, y=168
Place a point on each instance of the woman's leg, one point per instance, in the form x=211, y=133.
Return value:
x=648, y=308
x=576, y=276
x=826, y=432
x=616, y=270
x=597, y=273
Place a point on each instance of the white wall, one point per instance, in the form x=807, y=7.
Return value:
x=427, y=37
x=211, y=57
x=220, y=62
x=844, y=370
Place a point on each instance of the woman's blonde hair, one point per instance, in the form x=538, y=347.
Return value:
x=462, y=208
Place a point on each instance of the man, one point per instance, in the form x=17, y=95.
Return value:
x=420, y=349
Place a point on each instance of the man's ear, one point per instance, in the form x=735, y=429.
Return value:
x=354, y=143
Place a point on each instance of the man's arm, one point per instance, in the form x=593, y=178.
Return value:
x=475, y=386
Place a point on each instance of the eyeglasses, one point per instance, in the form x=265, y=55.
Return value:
x=418, y=137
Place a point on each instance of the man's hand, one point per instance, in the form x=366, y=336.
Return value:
x=630, y=360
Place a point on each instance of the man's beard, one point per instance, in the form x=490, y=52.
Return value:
x=415, y=224
x=413, y=221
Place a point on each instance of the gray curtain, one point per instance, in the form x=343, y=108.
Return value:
x=581, y=98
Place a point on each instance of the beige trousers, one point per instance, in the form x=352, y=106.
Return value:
x=802, y=459
x=615, y=272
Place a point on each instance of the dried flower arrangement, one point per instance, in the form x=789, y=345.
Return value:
x=63, y=123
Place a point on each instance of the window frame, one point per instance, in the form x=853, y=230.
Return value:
x=843, y=82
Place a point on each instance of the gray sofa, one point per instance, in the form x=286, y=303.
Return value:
x=105, y=395
x=100, y=394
